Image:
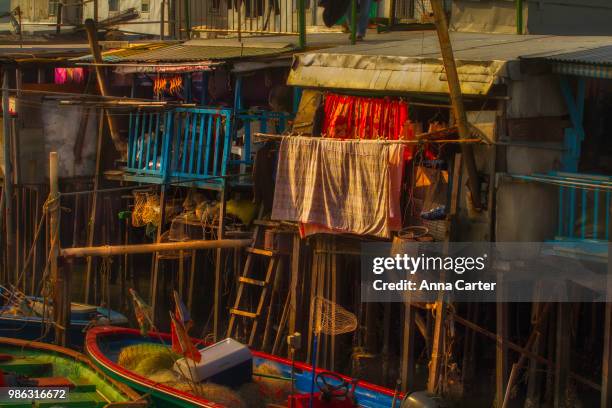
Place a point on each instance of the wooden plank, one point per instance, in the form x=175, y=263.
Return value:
x=251, y=281
x=243, y=313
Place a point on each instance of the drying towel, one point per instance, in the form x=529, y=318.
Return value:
x=342, y=185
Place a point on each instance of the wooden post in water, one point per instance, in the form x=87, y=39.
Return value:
x=8, y=182
x=91, y=225
x=57, y=279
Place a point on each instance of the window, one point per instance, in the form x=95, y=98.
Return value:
x=113, y=5
x=53, y=7
x=144, y=6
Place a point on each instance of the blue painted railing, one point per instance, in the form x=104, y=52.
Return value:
x=192, y=145
x=200, y=145
x=147, y=136
x=268, y=122
x=584, y=204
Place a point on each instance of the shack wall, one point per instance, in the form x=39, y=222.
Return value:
x=140, y=24
x=539, y=17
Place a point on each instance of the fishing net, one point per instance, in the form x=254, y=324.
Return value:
x=140, y=200
x=147, y=209
x=331, y=318
x=156, y=362
x=147, y=359
x=151, y=213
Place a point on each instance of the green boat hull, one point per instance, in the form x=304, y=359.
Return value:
x=92, y=389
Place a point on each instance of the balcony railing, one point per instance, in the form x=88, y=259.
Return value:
x=193, y=145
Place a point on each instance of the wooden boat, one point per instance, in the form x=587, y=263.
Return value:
x=104, y=345
x=30, y=320
x=33, y=364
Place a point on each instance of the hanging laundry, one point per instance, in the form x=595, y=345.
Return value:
x=356, y=117
x=69, y=76
x=345, y=186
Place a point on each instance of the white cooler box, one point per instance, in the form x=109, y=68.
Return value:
x=227, y=362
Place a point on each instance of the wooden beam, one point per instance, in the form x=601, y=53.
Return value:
x=456, y=97
x=92, y=37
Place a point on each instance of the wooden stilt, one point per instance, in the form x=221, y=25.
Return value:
x=293, y=284
x=11, y=272
x=218, y=267
x=407, y=350
x=156, y=259
x=334, y=298
x=181, y=273
x=606, y=380
x=191, y=281
x=57, y=278
x=273, y=296
x=532, y=399
x=91, y=227
x=438, y=328
x=501, y=352
x=563, y=345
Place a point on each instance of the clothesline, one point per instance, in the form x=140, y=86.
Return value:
x=269, y=136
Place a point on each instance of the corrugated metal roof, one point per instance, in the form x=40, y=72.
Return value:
x=594, y=56
x=187, y=52
x=414, y=63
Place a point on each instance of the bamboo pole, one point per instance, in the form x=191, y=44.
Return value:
x=92, y=33
x=112, y=250
x=454, y=86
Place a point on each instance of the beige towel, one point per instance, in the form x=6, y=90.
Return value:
x=343, y=185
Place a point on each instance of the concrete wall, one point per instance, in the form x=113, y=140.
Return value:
x=44, y=126
x=570, y=17
x=561, y=17
x=154, y=14
x=525, y=211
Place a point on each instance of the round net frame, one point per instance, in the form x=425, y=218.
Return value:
x=331, y=318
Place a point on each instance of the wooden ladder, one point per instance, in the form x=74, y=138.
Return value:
x=247, y=279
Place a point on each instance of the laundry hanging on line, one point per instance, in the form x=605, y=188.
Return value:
x=357, y=117
x=344, y=186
